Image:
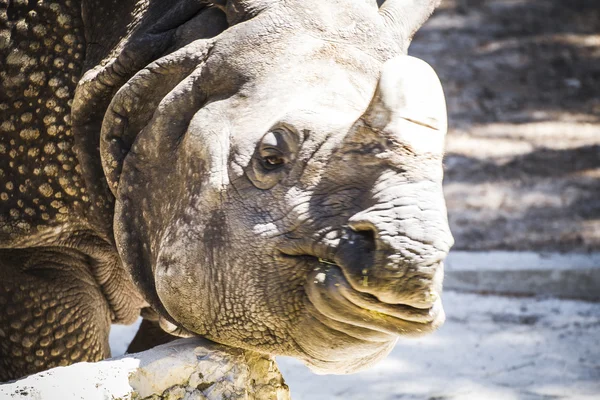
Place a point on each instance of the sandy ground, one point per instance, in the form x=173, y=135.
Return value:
x=522, y=81
x=490, y=348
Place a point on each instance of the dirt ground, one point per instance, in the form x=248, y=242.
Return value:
x=522, y=80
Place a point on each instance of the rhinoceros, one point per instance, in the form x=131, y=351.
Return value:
x=266, y=174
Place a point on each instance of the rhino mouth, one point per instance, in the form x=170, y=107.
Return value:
x=341, y=307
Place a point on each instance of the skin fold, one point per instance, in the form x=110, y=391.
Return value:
x=264, y=173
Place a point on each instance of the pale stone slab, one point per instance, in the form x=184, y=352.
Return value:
x=186, y=369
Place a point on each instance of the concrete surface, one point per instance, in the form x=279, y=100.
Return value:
x=573, y=275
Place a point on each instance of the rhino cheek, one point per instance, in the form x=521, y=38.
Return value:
x=191, y=263
x=181, y=284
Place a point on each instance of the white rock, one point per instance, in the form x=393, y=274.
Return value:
x=184, y=369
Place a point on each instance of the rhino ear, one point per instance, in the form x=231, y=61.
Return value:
x=409, y=105
x=405, y=17
x=136, y=102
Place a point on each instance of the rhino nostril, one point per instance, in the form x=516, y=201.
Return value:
x=363, y=237
x=356, y=252
x=367, y=240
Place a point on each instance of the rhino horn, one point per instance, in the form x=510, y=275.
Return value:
x=409, y=106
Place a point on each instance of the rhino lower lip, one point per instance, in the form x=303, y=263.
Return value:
x=402, y=311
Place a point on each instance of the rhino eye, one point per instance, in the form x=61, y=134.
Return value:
x=277, y=148
x=273, y=162
x=274, y=156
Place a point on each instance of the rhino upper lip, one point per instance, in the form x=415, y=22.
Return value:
x=342, y=298
x=369, y=302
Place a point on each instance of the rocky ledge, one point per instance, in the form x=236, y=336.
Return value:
x=188, y=369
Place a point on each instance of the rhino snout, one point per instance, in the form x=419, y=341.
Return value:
x=396, y=254
x=396, y=245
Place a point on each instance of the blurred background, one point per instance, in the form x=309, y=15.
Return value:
x=522, y=82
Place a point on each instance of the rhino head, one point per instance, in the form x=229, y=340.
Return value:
x=279, y=186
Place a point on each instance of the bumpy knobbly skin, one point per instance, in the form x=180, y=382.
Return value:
x=43, y=49
x=53, y=312
x=264, y=173
x=61, y=282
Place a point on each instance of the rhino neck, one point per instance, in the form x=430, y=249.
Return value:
x=42, y=56
x=48, y=179
x=47, y=200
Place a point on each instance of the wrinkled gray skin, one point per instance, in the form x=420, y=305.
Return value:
x=228, y=166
